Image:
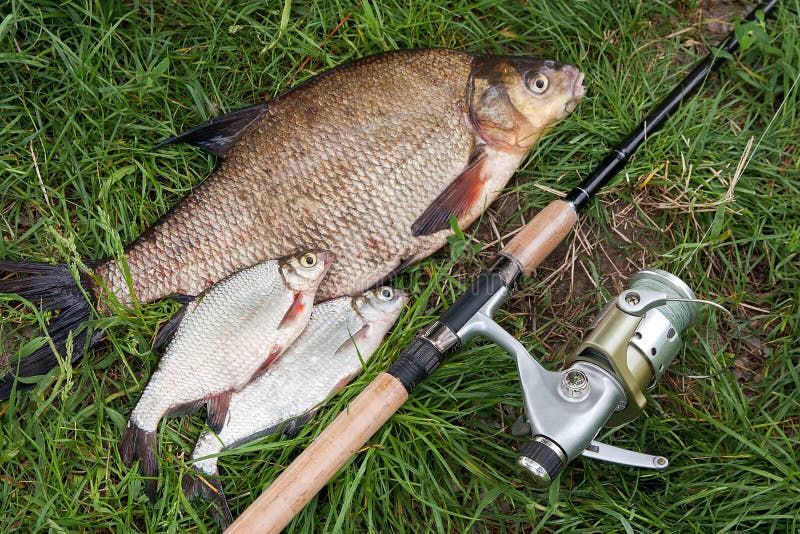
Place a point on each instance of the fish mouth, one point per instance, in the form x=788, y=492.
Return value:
x=326, y=257
x=402, y=296
x=577, y=90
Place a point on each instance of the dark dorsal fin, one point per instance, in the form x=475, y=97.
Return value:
x=456, y=199
x=216, y=136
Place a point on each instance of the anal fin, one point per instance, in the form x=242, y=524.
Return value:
x=216, y=136
x=217, y=408
x=186, y=408
x=457, y=199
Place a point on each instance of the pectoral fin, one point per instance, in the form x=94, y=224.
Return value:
x=216, y=136
x=276, y=351
x=350, y=346
x=342, y=383
x=294, y=311
x=187, y=408
x=457, y=200
x=346, y=350
x=405, y=262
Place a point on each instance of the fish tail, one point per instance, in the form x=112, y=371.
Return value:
x=53, y=288
x=139, y=444
x=200, y=485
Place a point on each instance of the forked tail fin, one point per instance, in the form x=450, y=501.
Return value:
x=199, y=484
x=53, y=288
x=138, y=444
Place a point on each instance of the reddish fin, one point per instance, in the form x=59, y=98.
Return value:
x=294, y=312
x=456, y=200
x=198, y=484
x=137, y=444
x=350, y=344
x=276, y=351
x=360, y=335
x=218, y=410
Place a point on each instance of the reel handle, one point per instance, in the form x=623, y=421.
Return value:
x=541, y=235
x=316, y=465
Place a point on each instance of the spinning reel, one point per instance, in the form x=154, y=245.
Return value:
x=624, y=352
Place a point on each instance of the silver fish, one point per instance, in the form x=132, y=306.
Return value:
x=229, y=335
x=341, y=334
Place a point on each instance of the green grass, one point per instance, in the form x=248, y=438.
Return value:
x=87, y=88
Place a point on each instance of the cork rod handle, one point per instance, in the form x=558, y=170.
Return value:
x=541, y=235
x=315, y=466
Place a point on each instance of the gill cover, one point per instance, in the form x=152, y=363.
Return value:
x=513, y=100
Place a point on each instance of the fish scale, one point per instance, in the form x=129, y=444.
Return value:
x=341, y=334
x=370, y=169
x=225, y=338
x=218, y=320
x=368, y=160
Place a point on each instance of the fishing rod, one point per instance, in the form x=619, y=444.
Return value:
x=620, y=389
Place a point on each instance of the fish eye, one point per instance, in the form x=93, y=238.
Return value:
x=537, y=82
x=386, y=294
x=308, y=259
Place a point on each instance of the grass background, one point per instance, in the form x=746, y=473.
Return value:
x=86, y=88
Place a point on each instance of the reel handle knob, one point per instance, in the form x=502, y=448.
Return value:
x=541, y=461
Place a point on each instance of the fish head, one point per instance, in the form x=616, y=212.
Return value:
x=377, y=310
x=305, y=270
x=380, y=305
x=514, y=100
